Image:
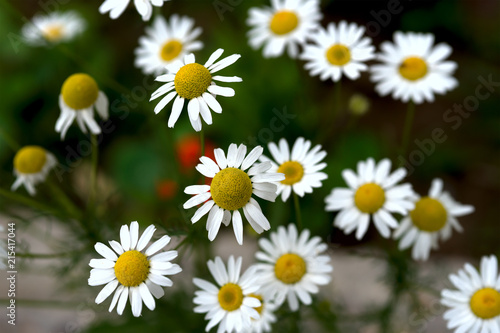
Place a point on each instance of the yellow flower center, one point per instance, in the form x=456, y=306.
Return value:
x=192, y=80
x=413, y=68
x=261, y=299
x=429, y=215
x=132, y=268
x=485, y=303
x=231, y=188
x=338, y=55
x=53, y=33
x=79, y=91
x=293, y=172
x=369, y=198
x=171, y=50
x=284, y=22
x=230, y=297
x=290, y=268
x=30, y=159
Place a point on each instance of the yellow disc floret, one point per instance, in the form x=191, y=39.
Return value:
x=429, y=215
x=53, y=33
x=284, y=22
x=231, y=188
x=192, y=80
x=293, y=172
x=171, y=50
x=290, y=268
x=79, y=91
x=230, y=297
x=413, y=68
x=338, y=55
x=261, y=299
x=30, y=159
x=369, y=198
x=485, y=303
x=132, y=268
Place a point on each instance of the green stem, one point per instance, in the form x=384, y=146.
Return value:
x=9, y=140
x=298, y=216
x=202, y=142
x=337, y=95
x=21, y=199
x=410, y=115
x=93, y=173
x=64, y=200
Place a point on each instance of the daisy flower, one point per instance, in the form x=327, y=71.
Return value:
x=301, y=166
x=231, y=189
x=195, y=83
x=266, y=312
x=117, y=7
x=230, y=303
x=166, y=42
x=372, y=193
x=338, y=50
x=434, y=217
x=52, y=28
x=286, y=24
x=292, y=266
x=32, y=164
x=475, y=306
x=133, y=271
x=79, y=95
x=414, y=69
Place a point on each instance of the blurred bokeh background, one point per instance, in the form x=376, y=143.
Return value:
x=144, y=166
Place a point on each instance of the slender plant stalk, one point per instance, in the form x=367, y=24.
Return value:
x=298, y=216
x=21, y=199
x=410, y=115
x=93, y=173
x=202, y=142
x=64, y=200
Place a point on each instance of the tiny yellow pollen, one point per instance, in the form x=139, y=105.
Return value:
x=132, y=268
x=79, y=91
x=30, y=159
x=413, y=68
x=290, y=268
x=231, y=188
x=230, y=297
x=429, y=215
x=261, y=299
x=171, y=50
x=294, y=171
x=284, y=22
x=338, y=55
x=192, y=80
x=53, y=33
x=369, y=198
x=485, y=303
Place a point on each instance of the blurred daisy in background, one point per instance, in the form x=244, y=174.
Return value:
x=166, y=42
x=79, y=95
x=230, y=303
x=53, y=28
x=434, y=217
x=292, y=266
x=338, y=50
x=284, y=25
x=195, y=83
x=231, y=190
x=413, y=68
x=301, y=166
x=475, y=306
x=372, y=193
x=32, y=164
x=117, y=7
x=132, y=270
x=266, y=313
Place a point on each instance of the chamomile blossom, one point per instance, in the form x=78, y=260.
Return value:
x=195, y=83
x=434, y=217
x=292, y=266
x=131, y=270
x=229, y=304
x=266, y=315
x=234, y=179
x=79, y=95
x=338, y=50
x=413, y=69
x=301, y=166
x=166, y=42
x=32, y=164
x=284, y=25
x=372, y=193
x=117, y=7
x=475, y=306
x=53, y=28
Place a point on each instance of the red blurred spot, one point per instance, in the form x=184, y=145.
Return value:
x=188, y=151
x=166, y=189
